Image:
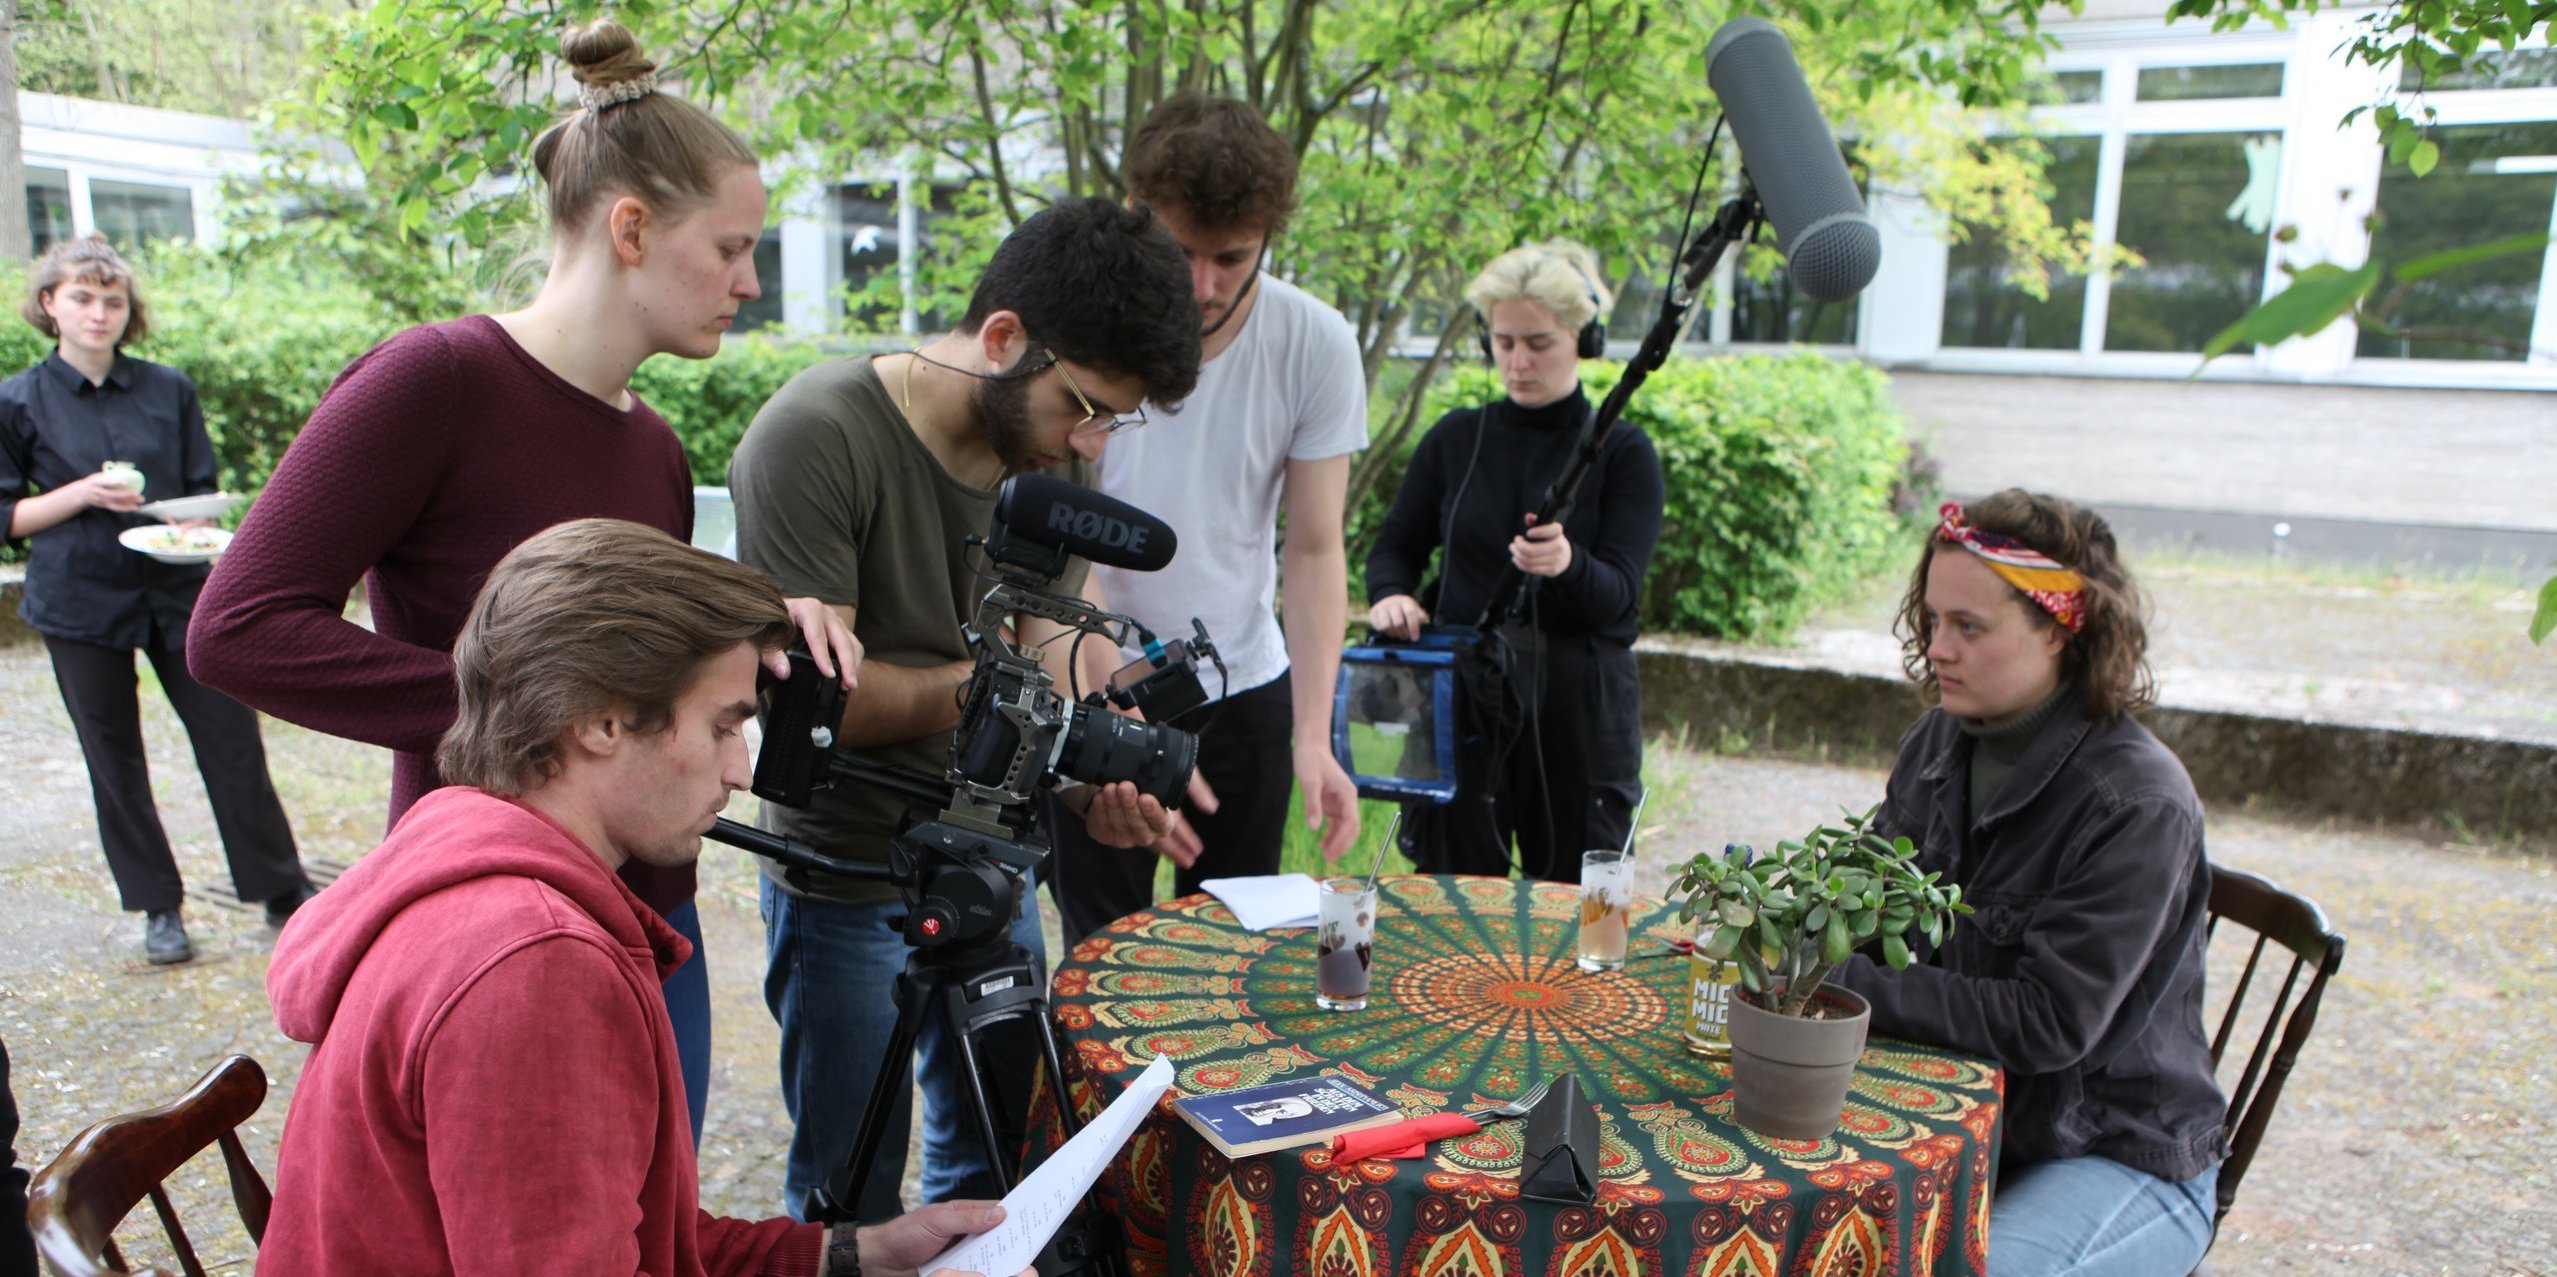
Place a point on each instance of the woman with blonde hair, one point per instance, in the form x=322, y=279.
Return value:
x=84, y=436
x=449, y=444
x=2077, y=838
x=1472, y=492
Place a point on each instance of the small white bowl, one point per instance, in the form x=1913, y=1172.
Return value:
x=182, y=547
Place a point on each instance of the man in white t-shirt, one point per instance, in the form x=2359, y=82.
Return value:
x=1280, y=406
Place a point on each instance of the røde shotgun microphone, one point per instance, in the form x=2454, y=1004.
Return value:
x=1831, y=248
x=1050, y=511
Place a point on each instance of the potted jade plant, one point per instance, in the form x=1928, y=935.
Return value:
x=1787, y=920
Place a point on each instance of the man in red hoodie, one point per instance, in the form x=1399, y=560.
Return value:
x=492, y=1086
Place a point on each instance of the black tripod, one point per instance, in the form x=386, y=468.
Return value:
x=993, y=994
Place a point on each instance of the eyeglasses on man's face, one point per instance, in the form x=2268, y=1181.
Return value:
x=1095, y=422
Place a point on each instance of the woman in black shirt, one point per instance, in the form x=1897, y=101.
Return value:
x=1475, y=482
x=96, y=602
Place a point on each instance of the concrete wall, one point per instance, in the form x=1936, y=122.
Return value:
x=2460, y=458
x=2502, y=791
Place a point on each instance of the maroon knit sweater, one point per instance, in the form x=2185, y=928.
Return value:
x=430, y=458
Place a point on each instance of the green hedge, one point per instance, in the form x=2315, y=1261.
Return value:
x=1779, y=470
x=712, y=401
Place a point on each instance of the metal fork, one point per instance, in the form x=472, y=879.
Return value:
x=1515, y=1108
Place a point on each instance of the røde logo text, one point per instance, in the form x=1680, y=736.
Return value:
x=1094, y=528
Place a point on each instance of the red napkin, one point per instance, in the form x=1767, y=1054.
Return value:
x=1405, y=1138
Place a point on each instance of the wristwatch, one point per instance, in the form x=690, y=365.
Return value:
x=843, y=1251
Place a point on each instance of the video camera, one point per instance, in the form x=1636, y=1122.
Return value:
x=962, y=871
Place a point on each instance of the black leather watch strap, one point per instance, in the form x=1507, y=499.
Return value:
x=843, y=1251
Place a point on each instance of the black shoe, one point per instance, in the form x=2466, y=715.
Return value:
x=164, y=938
x=280, y=909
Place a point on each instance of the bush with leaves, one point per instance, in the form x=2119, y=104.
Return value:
x=710, y=402
x=1789, y=919
x=261, y=346
x=1779, y=471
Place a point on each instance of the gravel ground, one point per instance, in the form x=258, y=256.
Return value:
x=2401, y=1146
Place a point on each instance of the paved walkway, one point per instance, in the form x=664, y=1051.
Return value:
x=2406, y=1145
x=2254, y=636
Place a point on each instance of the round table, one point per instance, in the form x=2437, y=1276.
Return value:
x=1475, y=998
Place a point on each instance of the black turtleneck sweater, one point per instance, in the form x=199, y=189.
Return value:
x=1473, y=481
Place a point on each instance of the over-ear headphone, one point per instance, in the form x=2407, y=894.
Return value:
x=1590, y=343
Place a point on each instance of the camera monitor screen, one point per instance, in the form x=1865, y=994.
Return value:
x=1394, y=722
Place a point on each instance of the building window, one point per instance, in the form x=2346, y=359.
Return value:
x=1776, y=311
x=2198, y=207
x=2494, y=181
x=1983, y=307
x=2076, y=88
x=2182, y=84
x=765, y=309
x=48, y=207
x=131, y=214
x=2519, y=69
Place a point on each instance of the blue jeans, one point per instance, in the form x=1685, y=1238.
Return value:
x=828, y=976
x=2092, y=1216
x=688, y=1009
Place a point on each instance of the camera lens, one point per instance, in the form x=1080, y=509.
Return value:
x=1101, y=747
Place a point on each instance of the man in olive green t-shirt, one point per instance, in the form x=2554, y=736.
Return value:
x=858, y=485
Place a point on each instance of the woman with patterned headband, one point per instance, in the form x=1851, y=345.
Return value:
x=2078, y=839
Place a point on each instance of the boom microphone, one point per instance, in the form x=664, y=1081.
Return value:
x=1831, y=248
x=1050, y=511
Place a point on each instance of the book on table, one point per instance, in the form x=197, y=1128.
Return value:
x=1284, y=1114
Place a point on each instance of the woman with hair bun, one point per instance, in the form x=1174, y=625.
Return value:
x=2077, y=838
x=84, y=437
x=446, y=446
x=1475, y=483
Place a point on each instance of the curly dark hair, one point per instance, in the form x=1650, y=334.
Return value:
x=2109, y=657
x=1102, y=285
x=1215, y=160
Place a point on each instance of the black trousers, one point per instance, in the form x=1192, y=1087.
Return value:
x=1246, y=754
x=1571, y=779
x=17, y=1246
x=100, y=689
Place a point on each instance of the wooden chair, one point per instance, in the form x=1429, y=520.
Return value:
x=74, y=1205
x=2276, y=917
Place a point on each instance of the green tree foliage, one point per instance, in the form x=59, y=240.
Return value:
x=1434, y=133
x=217, y=57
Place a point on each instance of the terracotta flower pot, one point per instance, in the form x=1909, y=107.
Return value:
x=1789, y=1074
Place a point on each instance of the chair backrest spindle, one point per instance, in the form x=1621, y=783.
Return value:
x=75, y=1203
x=2298, y=925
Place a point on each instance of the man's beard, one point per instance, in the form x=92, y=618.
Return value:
x=1002, y=405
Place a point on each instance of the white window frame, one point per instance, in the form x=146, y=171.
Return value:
x=2317, y=89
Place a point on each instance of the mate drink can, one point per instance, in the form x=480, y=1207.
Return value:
x=1710, y=982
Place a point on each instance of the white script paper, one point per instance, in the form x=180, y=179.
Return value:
x=1033, y=1212
x=1276, y=900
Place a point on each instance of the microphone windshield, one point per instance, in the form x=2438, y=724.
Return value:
x=1112, y=533
x=1831, y=248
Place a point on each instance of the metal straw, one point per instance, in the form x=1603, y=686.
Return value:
x=1392, y=827
x=1641, y=801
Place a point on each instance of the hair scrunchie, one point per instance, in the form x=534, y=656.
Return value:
x=604, y=97
x=2058, y=590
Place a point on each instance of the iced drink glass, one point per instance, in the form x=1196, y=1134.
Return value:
x=1606, y=898
x=1344, y=939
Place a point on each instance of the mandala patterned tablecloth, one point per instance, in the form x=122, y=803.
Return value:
x=1474, y=999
